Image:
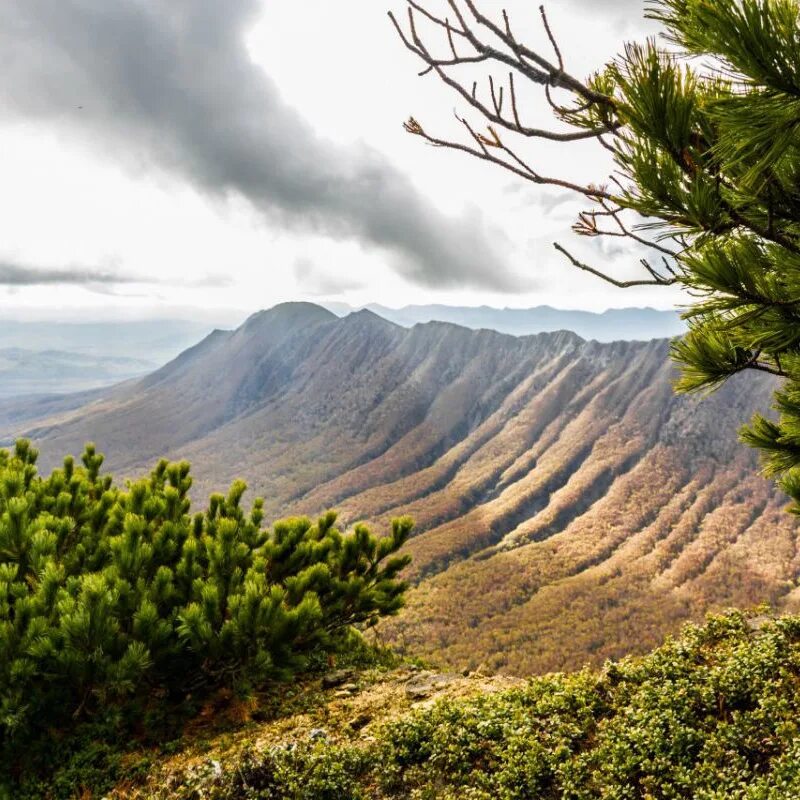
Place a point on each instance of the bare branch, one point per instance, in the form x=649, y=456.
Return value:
x=656, y=281
x=587, y=226
x=513, y=93
x=615, y=215
x=433, y=18
x=554, y=75
x=519, y=167
x=498, y=105
x=552, y=38
x=481, y=140
x=668, y=267
x=450, y=39
x=417, y=46
x=606, y=145
x=539, y=71
x=656, y=275
x=426, y=57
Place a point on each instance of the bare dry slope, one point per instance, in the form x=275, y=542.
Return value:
x=569, y=506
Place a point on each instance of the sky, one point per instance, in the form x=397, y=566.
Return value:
x=205, y=158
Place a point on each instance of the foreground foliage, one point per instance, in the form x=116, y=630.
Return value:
x=117, y=605
x=712, y=714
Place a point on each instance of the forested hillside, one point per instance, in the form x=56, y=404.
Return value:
x=568, y=506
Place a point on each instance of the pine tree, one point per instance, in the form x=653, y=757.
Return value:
x=704, y=131
x=113, y=598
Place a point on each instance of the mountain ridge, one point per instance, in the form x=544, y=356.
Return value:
x=613, y=324
x=545, y=472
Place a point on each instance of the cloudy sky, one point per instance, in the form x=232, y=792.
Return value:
x=166, y=156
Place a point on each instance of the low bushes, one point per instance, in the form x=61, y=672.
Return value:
x=711, y=715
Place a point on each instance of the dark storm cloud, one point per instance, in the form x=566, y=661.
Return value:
x=169, y=83
x=23, y=275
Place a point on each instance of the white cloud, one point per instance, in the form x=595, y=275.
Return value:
x=69, y=197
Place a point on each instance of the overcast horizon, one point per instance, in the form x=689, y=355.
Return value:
x=206, y=159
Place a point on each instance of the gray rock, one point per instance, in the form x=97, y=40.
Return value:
x=318, y=735
x=426, y=683
x=337, y=678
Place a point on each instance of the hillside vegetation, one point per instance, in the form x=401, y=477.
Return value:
x=568, y=507
x=711, y=715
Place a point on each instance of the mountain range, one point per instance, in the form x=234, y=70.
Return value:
x=569, y=507
x=607, y=326
x=31, y=372
x=48, y=357
x=154, y=341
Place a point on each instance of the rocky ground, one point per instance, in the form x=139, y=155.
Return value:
x=343, y=707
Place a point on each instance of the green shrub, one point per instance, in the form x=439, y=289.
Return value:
x=713, y=714
x=309, y=772
x=116, y=603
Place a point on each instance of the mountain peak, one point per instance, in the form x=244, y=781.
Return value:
x=283, y=319
x=295, y=311
x=364, y=318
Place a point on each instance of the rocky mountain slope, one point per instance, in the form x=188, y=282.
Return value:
x=569, y=507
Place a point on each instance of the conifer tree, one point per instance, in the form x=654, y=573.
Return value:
x=703, y=125
x=112, y=599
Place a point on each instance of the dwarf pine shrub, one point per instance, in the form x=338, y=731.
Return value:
x=115, y=600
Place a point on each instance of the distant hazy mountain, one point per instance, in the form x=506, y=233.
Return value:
x=154, y=341
x=42, y=358
x=569, y=507
x=608, y=326
x=26, y=372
